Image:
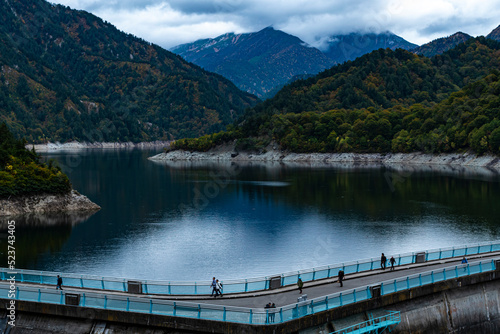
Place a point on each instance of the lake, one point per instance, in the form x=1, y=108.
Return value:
x=191, y=221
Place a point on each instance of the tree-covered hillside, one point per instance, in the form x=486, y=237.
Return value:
x=387, y=101
x=68, y=75
x=22, y=173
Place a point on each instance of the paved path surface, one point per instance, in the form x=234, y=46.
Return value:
x=288, y=295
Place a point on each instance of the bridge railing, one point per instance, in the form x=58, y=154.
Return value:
x=94, y=301
x=245, y=285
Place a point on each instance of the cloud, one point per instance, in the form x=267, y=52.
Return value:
x=172, y=22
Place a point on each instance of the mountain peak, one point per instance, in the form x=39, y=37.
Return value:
x=342, y=48
x=495, y=34
x=256, y=62
x=441, y=45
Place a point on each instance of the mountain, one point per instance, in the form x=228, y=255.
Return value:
x=384, y=101
x=495, y=34
x=68, y=75
x=256, y=62
x=341, y=48
x=441, y=45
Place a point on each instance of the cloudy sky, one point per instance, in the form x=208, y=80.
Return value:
x=173, y=22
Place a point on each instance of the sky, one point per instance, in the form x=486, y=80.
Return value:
x=172, y=22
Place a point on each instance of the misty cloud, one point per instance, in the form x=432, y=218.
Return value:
x=172, y=22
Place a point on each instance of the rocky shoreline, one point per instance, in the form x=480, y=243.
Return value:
x=47, y=204
x=220, y=154
x=50, y=147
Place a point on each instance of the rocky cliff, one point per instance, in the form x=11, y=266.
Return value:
x=47, y=203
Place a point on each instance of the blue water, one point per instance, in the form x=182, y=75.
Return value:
x=192, y=221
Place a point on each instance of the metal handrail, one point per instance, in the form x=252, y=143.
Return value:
x=244, y=285
x=241, y=314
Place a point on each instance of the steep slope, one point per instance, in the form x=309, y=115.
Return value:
x=255, y=62
x=68, y=75
x=441, y=45
x=342, y=48
x=495, y=34
x=385, y=78
x=383, y=101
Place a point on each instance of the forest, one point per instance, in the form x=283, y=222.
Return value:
x=68, y=75
x=386, y=101
x=22, y=173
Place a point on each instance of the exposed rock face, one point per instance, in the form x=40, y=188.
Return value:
x=454, y=159
x=47, y=203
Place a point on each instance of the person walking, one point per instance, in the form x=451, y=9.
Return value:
x=268, y=315
x=383, y=261
x=272, y=312
x=214, y=286
x=218, y=290
x=392, y=261
x=464, y=262
x=59, y=282
x=300, y=284
x=341, y=277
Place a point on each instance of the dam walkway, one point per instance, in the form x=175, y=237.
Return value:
x=242, y=301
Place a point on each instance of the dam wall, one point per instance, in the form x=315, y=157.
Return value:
x=469, y=304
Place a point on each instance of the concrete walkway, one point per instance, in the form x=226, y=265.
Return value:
x=289, y=294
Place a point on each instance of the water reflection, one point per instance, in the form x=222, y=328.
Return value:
x=192, y=220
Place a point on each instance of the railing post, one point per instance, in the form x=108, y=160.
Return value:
x=314, y=274
x=357, y=266
x=81, y=282
x=371, y=265
x=102, y=282
x=39, y=295
x=440, y=253
x=340, y=299
x=151, y=307
x=128, y=304
x=281, y=314
x=444, y=274
x=354, y=295
x=175, y=309
x=41, y=279
x=432, y=276
x=199, y=311
x=195, y=288
x=251, y=317
x=224, y=314
x=329, y=272
x=408, y=282
x=456, y=271
x=105, y=301
x=145, y=284
x=453, y=252
x=246, y=285
x=480, y=267
x=124, y=286
x=22, y=277
x=169, y=289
